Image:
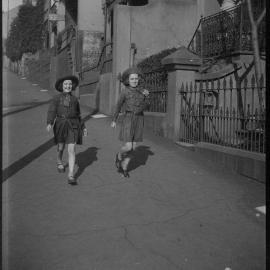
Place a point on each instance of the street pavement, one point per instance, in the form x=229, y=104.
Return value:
x=18, y=93
x=177, y=210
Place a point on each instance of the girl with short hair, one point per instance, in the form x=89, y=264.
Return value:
x=133, y=100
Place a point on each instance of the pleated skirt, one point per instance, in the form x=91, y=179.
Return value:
x=67, y=132
x=132, y=128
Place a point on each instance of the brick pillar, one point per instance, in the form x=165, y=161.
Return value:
x=182, y=66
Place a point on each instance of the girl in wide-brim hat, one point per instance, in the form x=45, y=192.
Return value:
x=59, y=82
x=64, y=115
x=135, y=100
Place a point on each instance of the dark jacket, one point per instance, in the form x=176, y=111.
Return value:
x=64, y=113
x=131, y=100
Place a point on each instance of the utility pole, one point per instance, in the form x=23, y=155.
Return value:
x=8, y=18
x=8, y=63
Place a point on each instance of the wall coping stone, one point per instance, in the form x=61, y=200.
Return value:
x=161, y=114
x=232, y=151
x=182, y=59
x=248, y=164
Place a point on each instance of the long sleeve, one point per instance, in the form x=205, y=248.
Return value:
x=141, y=102
x=119, y=106
x=52, y=111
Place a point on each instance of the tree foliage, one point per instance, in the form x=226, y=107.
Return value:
x=25, y=35
x=13, y=50
x=153, y=62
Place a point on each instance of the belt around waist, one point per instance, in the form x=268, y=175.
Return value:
x=65, y=117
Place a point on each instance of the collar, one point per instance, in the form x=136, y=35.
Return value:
x=137, y=88
x=66, y=94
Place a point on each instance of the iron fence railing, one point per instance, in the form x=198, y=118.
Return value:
x=157, y=83
x=227, y=32
x=65, y=37
x=102, y=64
x=195, y=42
x=217, y=112
x=158, y=101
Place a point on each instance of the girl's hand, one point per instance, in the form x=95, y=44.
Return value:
x=85, y=133
x=49, y=126
x=145, y=92
x=113, y=124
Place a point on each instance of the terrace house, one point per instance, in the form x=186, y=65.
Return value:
x=208, y=95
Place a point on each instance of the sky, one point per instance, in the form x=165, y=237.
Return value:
x=12, y=4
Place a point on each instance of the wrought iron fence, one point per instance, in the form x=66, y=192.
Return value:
x=65, y=37
x=220, y=113
x=227, y=32
x=196, y=40
x=157, y=83
x=158, y=101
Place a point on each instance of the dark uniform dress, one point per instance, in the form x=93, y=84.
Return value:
x=133, y=103
x=65, y=116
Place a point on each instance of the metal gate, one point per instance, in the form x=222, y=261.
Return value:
x=217, y=112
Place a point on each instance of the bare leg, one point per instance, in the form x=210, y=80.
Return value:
x=60, y=151
x=124, y=155
x=71, y=158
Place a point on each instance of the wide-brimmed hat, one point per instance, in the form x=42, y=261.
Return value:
x=127, y=72
x=59, y=82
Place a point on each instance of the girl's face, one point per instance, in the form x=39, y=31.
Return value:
x=133, y=80
x=67, y=86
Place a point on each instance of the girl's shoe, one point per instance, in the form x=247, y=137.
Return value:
x=125, y=173
x=71, y=180
x=117, y=162
x=60, y=168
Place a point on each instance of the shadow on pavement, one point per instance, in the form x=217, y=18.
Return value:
x=21, y=163
x=27, y=159
x=140, y=156
x=26, y=106
x=85, y=159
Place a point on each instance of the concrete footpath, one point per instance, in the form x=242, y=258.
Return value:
x=176, y=211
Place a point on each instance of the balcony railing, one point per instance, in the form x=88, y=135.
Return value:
x=65, y=37
x=226, y=33
x=103, y=63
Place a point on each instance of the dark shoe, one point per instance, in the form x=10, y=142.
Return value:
x=125, y=173
x=60, y=168
x=117, y=162
x=71, y=180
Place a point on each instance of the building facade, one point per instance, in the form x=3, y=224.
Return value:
x=73, y=32
x=207, y=92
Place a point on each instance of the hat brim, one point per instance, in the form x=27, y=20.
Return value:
x=59, y=82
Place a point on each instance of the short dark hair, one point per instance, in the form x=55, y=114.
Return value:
x=127, y=72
